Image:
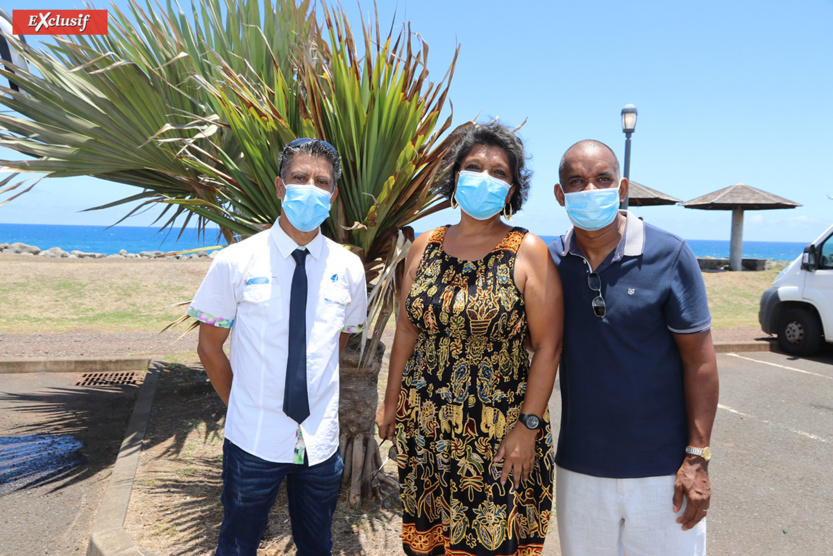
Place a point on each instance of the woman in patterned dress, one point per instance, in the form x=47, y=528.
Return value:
x=464, y=405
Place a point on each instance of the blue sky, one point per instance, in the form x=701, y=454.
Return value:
x=727, y=92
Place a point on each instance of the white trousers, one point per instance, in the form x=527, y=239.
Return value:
x=615, y=517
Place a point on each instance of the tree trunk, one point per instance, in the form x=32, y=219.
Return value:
x=357, y=417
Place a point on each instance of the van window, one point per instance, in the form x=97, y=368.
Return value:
x=826, y=259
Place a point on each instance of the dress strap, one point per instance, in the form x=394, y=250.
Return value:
x=512, y=241
x=434, y=245
x=438, y=234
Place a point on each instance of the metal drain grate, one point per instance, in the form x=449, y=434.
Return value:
x=110, y=379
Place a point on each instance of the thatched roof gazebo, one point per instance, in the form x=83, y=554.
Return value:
x=738, y=198
x=642, y=196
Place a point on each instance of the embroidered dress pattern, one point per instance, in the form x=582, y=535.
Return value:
x=462, y=391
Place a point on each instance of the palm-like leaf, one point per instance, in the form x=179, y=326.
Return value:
x=99, y=99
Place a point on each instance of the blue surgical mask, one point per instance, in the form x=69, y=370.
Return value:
x=480, y=195
x=593, y=209
x=306, y=206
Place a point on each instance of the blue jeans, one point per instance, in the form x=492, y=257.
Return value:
x=250, y=486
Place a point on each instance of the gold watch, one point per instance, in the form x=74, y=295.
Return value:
x=705, y=453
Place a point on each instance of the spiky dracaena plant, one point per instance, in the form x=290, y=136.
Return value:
x=193, y=111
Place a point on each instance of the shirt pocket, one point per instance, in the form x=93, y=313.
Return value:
x=334, y=302
x=262, y=302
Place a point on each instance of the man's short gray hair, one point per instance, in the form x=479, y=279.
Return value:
x=313, y=147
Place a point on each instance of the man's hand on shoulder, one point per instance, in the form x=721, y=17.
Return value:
x=692, y=483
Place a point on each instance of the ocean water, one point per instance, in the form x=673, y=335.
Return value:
x=776, y=250
x=101, y=239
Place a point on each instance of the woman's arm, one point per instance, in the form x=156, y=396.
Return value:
x=537, y=279
x=403, y=342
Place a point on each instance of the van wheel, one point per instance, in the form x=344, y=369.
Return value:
x=799, y=332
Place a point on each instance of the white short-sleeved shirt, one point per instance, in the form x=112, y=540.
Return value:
x=247, y=289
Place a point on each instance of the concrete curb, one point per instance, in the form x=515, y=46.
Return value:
x=735, y=347
x=74, y=365
x=109, y=537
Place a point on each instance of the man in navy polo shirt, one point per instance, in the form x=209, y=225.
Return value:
x=639, y=382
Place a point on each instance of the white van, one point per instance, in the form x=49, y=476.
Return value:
x=799, y=305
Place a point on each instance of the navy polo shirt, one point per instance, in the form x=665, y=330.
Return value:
x=623, y=408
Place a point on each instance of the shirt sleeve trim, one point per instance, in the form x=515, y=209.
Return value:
x=210, y=319
x=694, y=330
x=353, y=329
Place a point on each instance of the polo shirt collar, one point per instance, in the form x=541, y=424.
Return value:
x=632, y=243
x=286, y=245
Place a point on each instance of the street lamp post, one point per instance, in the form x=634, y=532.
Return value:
x=628, y=126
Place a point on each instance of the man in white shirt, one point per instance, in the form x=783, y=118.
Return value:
x=281, y=382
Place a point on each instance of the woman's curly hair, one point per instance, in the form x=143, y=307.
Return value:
x=493, y=134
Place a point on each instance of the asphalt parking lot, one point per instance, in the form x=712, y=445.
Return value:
x=772, y=471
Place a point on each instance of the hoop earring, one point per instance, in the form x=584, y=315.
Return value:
x=453, y=201
x=507, y=212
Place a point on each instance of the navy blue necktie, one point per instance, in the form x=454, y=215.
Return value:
x=295, y=400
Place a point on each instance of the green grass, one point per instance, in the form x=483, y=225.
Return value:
x=734, y=297
x=61, y=296
x=114, y=297
x=162, y=530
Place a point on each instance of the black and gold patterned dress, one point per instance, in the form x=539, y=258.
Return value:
x=462, y=391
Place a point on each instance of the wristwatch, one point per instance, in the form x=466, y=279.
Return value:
x=705, y=453
x=530, y=421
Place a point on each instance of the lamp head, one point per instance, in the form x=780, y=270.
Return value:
x=628, y=118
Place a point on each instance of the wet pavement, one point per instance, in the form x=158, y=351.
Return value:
x=35, y=459
x=58, y=443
